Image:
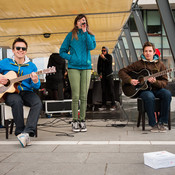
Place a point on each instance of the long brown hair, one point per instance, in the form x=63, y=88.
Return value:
x=75, y=29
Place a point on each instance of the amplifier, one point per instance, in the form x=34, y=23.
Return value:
x=57, y=106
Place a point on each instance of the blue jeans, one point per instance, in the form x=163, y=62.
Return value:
x=149, y=101
x=16, y=101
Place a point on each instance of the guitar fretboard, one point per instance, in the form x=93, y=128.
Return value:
x=158, y=74
x=49, y=70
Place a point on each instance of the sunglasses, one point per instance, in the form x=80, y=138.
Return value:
x=23, y=48
x=103, y=50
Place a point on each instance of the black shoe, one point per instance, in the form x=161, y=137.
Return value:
x=75, y=126
x=83, y=126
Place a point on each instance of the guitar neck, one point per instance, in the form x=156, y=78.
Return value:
x=25, y=77
x=158, y=74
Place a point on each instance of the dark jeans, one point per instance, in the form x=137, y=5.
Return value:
x=149, y=99
x=55, y=94
x=107, y=83
x=27, y=98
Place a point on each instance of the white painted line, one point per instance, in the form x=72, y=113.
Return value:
x=129, y=142
x=55, y=142
x=162, y=142
x=93, y=142
x=9, y=142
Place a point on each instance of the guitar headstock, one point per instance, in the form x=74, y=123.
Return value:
x=50, y=70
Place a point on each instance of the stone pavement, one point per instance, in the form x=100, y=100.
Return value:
x=113, y=146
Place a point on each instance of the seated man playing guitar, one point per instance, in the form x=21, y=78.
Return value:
x=147, y=79
x=24, y=94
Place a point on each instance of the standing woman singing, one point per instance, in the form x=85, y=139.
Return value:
x=79, y=42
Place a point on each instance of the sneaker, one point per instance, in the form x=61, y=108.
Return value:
x=113, y=108
x=83, y=126
x=103, y=108
x=163, y=128
x=22, y=139
x=155, y=128
x=75, y=126
x=28, y=142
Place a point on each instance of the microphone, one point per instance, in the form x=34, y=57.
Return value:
x=83, y=23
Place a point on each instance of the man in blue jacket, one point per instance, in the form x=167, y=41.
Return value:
x=24, y=94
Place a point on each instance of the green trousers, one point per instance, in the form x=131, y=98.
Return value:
x=79, y=81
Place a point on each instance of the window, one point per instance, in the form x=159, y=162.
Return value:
x=156, y=29
x=153, y=23
x=132, y=25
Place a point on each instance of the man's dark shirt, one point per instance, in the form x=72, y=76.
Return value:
x=104, y=66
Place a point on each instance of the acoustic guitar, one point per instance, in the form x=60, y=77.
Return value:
x=13, y=80
x=132, y=91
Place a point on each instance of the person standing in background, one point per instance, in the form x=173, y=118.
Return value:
x=67, y=88
x=104, y=69
x=79, y=42
x=55, y=82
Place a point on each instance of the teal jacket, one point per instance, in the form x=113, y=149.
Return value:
x=79, y=56
x=28, y=67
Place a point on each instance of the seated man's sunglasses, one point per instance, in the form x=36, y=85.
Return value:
x=23, y=48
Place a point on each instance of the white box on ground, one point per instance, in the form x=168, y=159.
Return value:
x=160, y=159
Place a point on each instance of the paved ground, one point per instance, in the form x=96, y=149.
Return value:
x=113, y=146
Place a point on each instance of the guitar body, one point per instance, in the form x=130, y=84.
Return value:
x=10, y=87
x=132, y=91
x=13, y=80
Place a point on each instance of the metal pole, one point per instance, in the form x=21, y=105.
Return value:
x=130, y=43
x=168, y=22
x=140, y=26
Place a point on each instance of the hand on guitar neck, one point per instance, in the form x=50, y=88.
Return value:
x=34, y=77
x=152, y=80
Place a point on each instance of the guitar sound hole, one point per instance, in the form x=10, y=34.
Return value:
x=141, y=80
x=141, y=83
x=8, y=83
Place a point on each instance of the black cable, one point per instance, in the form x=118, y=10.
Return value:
x=47, y=122
x=53, y=122
x=116, y=125
x=65, y=134
x=61, y=133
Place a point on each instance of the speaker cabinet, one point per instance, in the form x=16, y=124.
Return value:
x=57, y=106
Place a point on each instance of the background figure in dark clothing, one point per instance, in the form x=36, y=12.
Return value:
x=67, y=87
x=104, y=68
x=55, y=82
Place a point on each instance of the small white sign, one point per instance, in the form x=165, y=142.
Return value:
x=161, y=159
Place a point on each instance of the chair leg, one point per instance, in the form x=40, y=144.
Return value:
x=36, y=132
x=139, y=118
x=11, y=126
x=157, y=117
x=169, y=120
x=143, y=121
x=7, y=128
